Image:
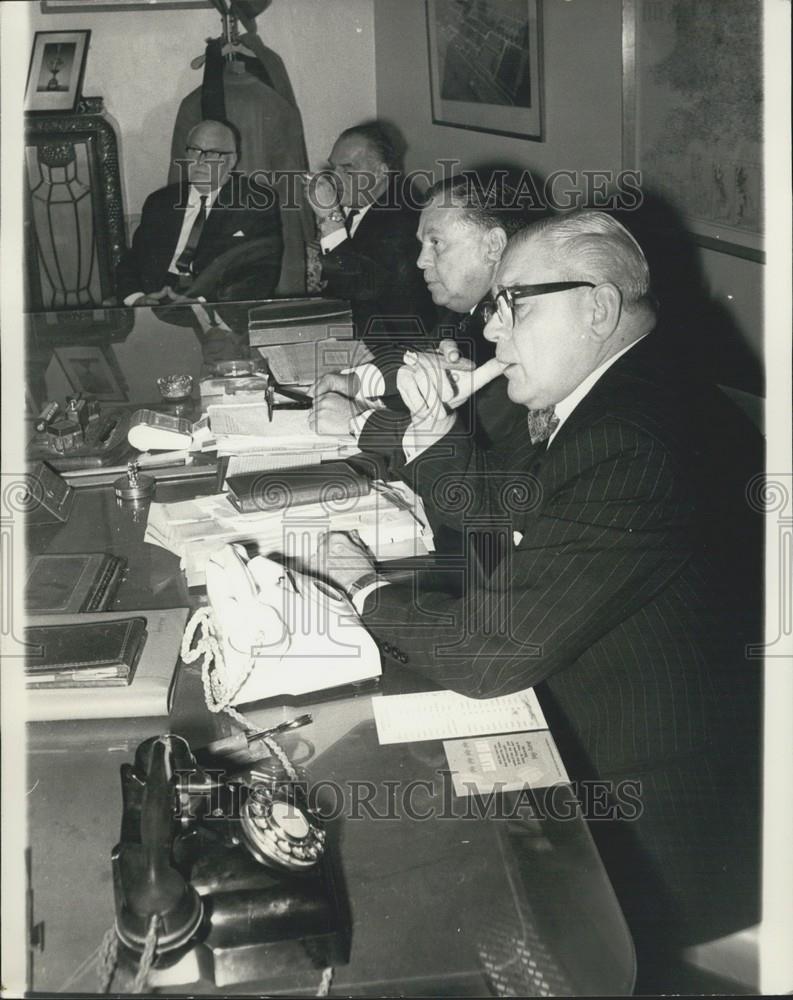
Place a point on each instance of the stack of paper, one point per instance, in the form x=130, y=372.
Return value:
x=391, y=521
x=257, y=444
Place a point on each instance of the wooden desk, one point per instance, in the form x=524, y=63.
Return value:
x=449, y=905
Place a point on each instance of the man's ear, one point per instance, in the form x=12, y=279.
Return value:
x=495, y=243
x=606, y=310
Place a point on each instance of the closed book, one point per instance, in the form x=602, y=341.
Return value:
x=69, y=582
x=149, y=692
x=84, y=654
x=327, y=483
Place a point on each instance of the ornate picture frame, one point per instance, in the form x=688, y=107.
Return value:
x=692, y=115
x=55, y=74
x=485, y=64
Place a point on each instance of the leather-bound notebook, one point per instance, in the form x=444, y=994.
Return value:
x=70, y=582
x=151, y=687
x=85, y=654
x=328, y=482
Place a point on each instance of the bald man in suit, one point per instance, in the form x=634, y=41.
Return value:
x=624, y=517
x=209, y=235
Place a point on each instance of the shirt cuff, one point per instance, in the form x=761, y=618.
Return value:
x=412, y=445
x=332, y=240
x=359, y=597
x=133, y=297
x=371, y=381
x=358, y=423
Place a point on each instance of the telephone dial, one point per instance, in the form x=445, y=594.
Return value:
x=233, y=872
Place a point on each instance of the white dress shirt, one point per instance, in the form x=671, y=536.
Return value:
x=565, y=407
x=191, y=213
x=332, y=240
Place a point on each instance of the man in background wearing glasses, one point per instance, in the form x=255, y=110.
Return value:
x=210, y=235
x=628, y=593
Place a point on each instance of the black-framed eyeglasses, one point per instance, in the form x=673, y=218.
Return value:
x=504, y=300
x=207, y=154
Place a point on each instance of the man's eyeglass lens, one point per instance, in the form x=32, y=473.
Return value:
x=207, y=154
x=504, y=301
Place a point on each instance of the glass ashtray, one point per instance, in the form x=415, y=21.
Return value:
x=175, y=387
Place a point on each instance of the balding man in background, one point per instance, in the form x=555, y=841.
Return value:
x=211, y=234
x=625, y=597
x=462, y=231
x=368, y=236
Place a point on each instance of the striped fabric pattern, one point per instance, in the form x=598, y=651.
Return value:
x=609, y=606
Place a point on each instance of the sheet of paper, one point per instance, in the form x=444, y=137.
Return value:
x=438, y=715
x=504, y=763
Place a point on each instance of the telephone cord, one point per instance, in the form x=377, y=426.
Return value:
x=323, y=990
x=107, y=961
x=217, y=693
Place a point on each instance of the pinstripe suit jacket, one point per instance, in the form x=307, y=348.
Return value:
x=609, y=603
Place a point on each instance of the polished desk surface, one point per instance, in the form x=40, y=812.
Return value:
x=116, y=355
x=454, y=905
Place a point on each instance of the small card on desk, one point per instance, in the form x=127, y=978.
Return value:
x=506, y=763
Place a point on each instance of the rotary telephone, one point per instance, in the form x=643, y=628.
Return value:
x=218, y=876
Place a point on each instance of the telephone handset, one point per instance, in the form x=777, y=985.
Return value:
x=216, y=863
x=271, y=631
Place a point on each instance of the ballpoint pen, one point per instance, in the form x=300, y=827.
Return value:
x=241, y=741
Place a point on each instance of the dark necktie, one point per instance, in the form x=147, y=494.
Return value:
x=542, y=423
x=351, y=213
x=184, y=264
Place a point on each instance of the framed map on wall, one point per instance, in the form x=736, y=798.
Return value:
x=484, y=60
x=692, y=114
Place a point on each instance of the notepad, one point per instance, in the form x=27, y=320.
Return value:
x=439, y=715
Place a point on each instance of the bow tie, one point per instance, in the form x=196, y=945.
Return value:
x=542, y=423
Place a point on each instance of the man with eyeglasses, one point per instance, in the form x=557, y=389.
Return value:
x=366, y=228
x=628, y=595
x=462, y=232
x=210, y=235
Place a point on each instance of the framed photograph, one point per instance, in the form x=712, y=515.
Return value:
x=75, y=6
x=57, y=64
x=485, y=65
x=693, y=114
x=89, y=371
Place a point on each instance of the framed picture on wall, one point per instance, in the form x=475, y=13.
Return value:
x=55, y=76
x=693, y=114
x=485, y=65
x=75, y=6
